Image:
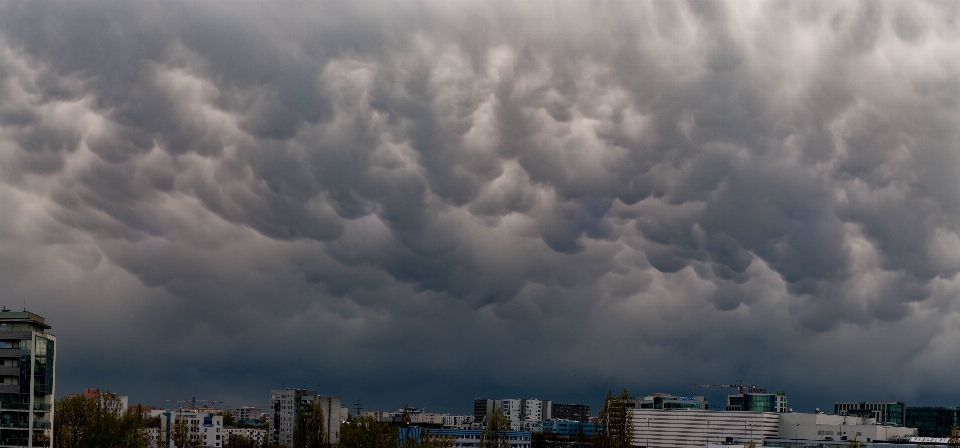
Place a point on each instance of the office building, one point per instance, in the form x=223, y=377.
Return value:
x=690, y=428
x=578, y=412
x=757, y=400
x=829, y=427
x=483, y=409
x=667, y=401
x=932, y=421
x=885, y=412
x=27, y=379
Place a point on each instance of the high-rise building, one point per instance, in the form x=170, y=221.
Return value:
x=27, y=364
x=886, y=412
x=286, y=403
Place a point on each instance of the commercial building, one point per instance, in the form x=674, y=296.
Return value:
x=687, y=428
x=757, y=400
x=27, y=379
x=827, y=427
x=286, y=403
x=932, y=421
x=885, y=412
x=667, y=401
x=578, y=412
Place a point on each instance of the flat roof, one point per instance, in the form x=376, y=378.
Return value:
x=22, y=316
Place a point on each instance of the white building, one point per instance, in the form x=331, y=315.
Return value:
x=688, y=428
x=207, y=428
x=246, y=413
x=838, y=427
x=284, y=405
x=457, y=421
x=255, y=435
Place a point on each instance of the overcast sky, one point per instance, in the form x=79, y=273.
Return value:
x=425, y=202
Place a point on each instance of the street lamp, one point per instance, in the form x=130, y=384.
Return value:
x=796, y=435
x=647, y=434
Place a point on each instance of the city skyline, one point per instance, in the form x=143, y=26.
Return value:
x=435, y=201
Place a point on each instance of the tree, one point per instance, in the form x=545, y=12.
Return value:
x=180, y=433
x=615, y=422
x=238, y=441
x=228, y=418
x=750, y=444
x=428, y=440
x=308, y=429
x=954, y=441
x=856, y=443
x=101, y=421
x=495, y=436
x=367, y=432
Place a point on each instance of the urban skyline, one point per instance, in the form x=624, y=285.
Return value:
x=428, y=200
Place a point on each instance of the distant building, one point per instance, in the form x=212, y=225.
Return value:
x=463, y=438
x=757, y=400
x=250, y=415
x=27, y=379
x=565, y=427
x=205, y=428
x=885, y=412
x=483, y=409
x=256, y=435
x=284, y=405
x=578, y=412
x=839, y=427
x=667, y=401
x=932, y=421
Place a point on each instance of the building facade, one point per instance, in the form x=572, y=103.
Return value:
x=667, y=401
x=828, y=427
x=570, y=428
x=247, y=414
x=255, y=435
x=27, y=379
x=462, y=438
x=686, y=428
x=205, y=428
x=286, y=403
x=578, y=412
x=757, y=400
x=885, y=412
x=932, y=421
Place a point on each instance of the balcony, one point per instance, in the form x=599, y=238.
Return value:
x=15, y=425
x=41, y=425
x=16, y=406
x=41, y=407
x=9, y=371
x=10, y=388
x=9, y=352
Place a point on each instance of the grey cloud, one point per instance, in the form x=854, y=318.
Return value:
x=534, y=198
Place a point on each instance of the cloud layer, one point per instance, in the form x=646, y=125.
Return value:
x=423, y=202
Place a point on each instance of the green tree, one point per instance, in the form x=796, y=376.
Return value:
x=954, y=441
x=308, y=429
x=495, y=436
x=101, y=421
x=228, y=418
x=180, y=433
x=750, y=444
x=614, y=422
x=367, y=432
x=428, y=440
x=238, y=441
x=854, y=443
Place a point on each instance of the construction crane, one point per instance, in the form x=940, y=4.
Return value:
x=740, y=387
x=193, y=402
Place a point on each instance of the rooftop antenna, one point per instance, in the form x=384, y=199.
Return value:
x=357, y=407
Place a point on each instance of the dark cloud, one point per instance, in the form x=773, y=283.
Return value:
x=420, y=203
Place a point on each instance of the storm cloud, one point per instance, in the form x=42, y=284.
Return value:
x=423, y=202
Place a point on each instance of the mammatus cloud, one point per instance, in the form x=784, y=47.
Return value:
x=417, y=201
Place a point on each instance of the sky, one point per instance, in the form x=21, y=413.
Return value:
x=424, y=202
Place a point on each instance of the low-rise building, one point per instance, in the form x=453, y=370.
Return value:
x=578, y=412
x=691, y=428
x=828, y=427
x=462, y=438
x=885, y=412
x=256, y=435
x=205, y=428
x=668, y=401
x=563, y=427
x=932, y=421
